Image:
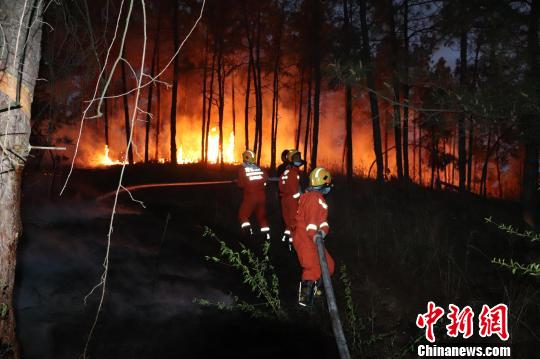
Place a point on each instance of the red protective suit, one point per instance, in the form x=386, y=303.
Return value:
x=253, y=180
x=311, y=217
x=289, y=191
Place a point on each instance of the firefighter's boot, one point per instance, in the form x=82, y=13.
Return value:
x=287, y=239
x=318, y=290
x=306, y=291
x=247, y=230
x=265, y=233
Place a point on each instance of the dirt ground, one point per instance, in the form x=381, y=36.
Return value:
x=402, y=245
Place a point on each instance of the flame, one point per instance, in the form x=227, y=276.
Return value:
x=107, y=161
x=213, y=146
x=229, y=153
x=181, y=159
x=192, y=155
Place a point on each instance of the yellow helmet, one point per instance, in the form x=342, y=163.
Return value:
x=319, y=177
x=248, y=156
x=292, y=154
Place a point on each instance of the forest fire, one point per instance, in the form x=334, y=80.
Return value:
x=152, y=151
x=106, y=159
x=193, y=154
x=184, y=154
x=276, y=101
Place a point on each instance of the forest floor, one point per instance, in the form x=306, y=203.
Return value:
x=403, y=246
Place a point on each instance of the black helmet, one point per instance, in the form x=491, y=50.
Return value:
x=284, y=156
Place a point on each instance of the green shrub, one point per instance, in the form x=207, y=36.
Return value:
x=257, y=272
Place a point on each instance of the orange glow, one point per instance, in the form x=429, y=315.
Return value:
x=193, y=154
x=106, y=160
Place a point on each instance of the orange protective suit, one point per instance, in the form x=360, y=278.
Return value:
x=289, y=191
x=252, y=180
x=311, y=217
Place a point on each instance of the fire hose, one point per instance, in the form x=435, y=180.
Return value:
x=341, y=341
x=160, y=185
x=337, y=328
x=174, y=184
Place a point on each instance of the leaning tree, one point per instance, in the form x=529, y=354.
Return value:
x=20, y=30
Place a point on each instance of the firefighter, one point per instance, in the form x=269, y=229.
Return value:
x=284, y=163
x=311, y=222
x=252, y=179
x=290, y=191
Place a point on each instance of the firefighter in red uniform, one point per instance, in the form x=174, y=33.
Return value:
x=290, y=191
x=252, y=179
x=311, y=221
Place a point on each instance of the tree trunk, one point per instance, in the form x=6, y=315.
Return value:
x=158, y=115
x=246, y=108
x=470, y=154
x=275, y=93
x=106, y=121
x=370, y=79
x=348, y=98
x=203, y=115
x=221, y=99
x=308, y=120
x=348, y=133
x=396, y=122
x=385, y=154
x=19, y=71
x=498, y=164
x=415, y=143
x=406, y=90
x=301, y=103
x=127, y=126
x=209, y=108
x=174, y=98
x=473, y=84
x=483, y=180
x=233, y=105
x=149, y=105
x=258, y=89
x=530, y=122
x=420, y=154
x=318, y=19
x=462, y=155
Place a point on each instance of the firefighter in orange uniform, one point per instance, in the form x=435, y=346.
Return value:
x=252, y=179
x=311, y=221
x=290, y=191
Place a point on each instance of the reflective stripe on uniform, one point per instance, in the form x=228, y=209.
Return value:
x=265, y=229
x=245, y=224
x=311, y=226
x=253, y=178
x=324, y=224
x=252, y=169
x=324, y=205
